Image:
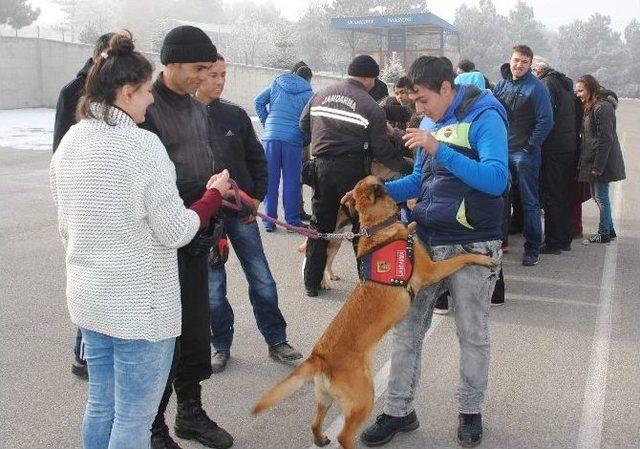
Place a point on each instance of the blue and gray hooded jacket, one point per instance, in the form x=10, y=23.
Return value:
x=287, y=96
x=462, y=186
x=528, y=105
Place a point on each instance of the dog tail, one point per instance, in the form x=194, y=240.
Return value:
x=288, y=386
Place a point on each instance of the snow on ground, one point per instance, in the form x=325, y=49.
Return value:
x=27, y=129
x=32, y=129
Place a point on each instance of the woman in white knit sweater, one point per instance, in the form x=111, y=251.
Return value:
x=121, y=220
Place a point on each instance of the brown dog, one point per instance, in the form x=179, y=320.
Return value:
x=343, y=224
x=340, y=361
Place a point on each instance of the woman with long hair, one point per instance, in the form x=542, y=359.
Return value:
x=121, y=220
x=601, y=161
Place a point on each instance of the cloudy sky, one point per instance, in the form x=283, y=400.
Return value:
x=553, y=13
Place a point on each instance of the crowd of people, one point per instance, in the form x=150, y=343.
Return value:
x=141, y=168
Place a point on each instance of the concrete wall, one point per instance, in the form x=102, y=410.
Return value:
x=33, y=71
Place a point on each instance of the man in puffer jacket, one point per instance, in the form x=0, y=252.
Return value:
x=283, y=140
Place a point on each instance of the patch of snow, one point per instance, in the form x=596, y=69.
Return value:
x=27, y=129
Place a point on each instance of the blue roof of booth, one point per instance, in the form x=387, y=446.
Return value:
x=368, y=22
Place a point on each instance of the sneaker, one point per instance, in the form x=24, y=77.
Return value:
x=442, y=304
x=497, y=300
x=386, y=427
x=219, y=361
x=284, y=352
x=192, y=423
x=160, y=438
x=613, y=235
x=469, y=429
x=530, y=260
x=597, y=238
x=312, y=292
x=80, y=369
x=546, y=249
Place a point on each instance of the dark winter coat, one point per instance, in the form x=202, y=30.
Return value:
x=182, y=124
x=600, y=147
x=236, y=147
x=529, y=108
x=67, y=104
x=287, y=96
x=562, y=138
x=344, y=121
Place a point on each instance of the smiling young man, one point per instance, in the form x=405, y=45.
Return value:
x=459, y=211
x=528, y=104
x=237, y=149
x=182, y=124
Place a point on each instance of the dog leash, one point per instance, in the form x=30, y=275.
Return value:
x=241, y=198
x=245, y=199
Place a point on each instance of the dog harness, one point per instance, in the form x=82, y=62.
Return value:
x=390, y=263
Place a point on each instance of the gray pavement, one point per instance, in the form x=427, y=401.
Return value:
x=565, y=358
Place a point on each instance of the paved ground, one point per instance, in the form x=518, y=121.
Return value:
x=565, y=359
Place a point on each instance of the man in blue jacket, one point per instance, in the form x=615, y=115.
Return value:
x=528, y=104
x=460, y=208
x=283, y=140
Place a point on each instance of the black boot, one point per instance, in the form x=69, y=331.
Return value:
x=160, y=438
x=192, y=423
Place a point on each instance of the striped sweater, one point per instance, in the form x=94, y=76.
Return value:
x=121, y=220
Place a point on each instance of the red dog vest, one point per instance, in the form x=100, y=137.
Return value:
x=389, y=264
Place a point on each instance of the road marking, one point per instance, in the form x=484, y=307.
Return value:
x=549, y=281
x=517, y=297
x=590, y=433
x=380, y=387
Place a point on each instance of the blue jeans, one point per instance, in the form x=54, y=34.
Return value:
x=246, y=242
x=286, y=158
x=525, y=171
x=126, y=381
x=470, y=289
x=600, y=194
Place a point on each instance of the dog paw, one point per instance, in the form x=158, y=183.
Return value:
x=486, y=261
x=324, y=285
x=322, y=442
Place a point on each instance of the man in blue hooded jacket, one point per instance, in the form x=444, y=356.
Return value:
x=283, y=140
x=528, y=104
x=459, y=210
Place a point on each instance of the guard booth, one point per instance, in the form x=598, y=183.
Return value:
x=406, y=35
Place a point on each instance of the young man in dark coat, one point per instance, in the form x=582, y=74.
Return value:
x=237, y=149
x=558, y=155
x=65, y=118
x=182, y=124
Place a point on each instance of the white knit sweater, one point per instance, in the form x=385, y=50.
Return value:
x=121, y=220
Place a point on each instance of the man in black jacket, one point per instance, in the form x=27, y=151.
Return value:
x=71, y=93
x=348, y=129
x=237, y=149
x=558, y=155
x=65, y=118
x=182, y=124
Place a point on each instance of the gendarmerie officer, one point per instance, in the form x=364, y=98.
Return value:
x=348, y=130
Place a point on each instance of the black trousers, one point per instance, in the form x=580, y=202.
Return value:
x=192, y=358
x=555, y=183
x=333, y=178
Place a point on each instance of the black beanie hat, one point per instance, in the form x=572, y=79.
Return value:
x=365, y=66
x=187, y=44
